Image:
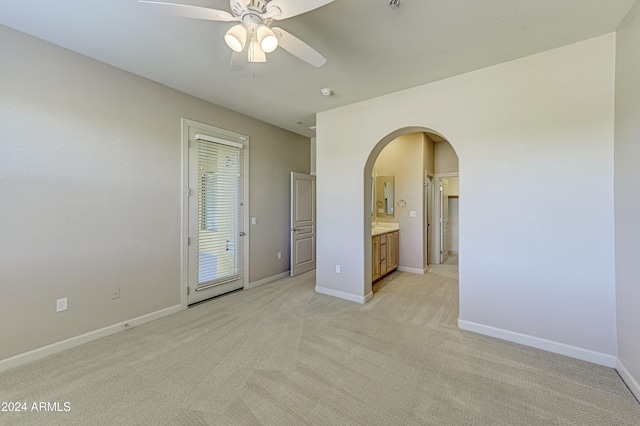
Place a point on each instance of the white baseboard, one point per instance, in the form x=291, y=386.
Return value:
x=412, y=270
x=544, y=344
x=628, y=379
x=54, y=348
x=343, y=295
x=268, y=280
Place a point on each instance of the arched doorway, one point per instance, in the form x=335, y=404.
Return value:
x=414, y=162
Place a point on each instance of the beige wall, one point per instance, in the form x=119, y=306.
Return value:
x=429, y=154
x=90, y=192
x=445, y=158
x=403, y=159
x=563, y=132
x=313, y=156
x=627, y=198
x=454, y=186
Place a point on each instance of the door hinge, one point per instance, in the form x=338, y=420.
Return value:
x=242, y=234
x=190, y=192
x=189, y=241
x=188, y=290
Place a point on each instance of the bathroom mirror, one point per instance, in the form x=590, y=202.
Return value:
x=384, y=196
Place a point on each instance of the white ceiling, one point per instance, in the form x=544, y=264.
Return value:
x=371, y=49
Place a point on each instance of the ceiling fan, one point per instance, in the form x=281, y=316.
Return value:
x=254, y=37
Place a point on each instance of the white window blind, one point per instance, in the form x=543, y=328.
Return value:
x=219, y=212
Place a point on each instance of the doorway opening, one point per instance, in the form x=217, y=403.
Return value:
x=414, y=162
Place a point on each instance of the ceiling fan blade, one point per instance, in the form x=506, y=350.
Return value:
x=299, y=48
x=291, y=8
x=188, y=11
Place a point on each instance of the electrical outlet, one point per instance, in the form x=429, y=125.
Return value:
x=254, y=220
x=61, y=305
x=279, y=255
x=115, y=293
x=337, y=269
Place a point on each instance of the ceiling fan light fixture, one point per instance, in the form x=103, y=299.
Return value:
x=267, y=39
x=255, y=53
x=236, y=38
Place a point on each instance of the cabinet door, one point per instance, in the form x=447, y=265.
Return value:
x=375, y=261
x=392, y=250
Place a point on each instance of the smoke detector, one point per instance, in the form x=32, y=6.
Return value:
x=394, y=3
x=326, y=91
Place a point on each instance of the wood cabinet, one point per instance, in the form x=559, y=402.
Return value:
x=384, y=252
x=392, y=251
x=375, y=251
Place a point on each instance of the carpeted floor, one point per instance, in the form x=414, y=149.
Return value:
x=281, y=354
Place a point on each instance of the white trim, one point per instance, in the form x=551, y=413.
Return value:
x=184, y=211
x=446, y=175
x=267, y=280
x=631, y=382
x=412, y=270
x=437, y=199
x=600, y=358
x=54, y=348
x=342, y=295
x=227, y=136
x=225, y=142
x=427, y=238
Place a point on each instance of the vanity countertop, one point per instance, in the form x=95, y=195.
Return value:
x=384, y=227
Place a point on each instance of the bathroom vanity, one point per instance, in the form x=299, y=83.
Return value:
x=384, y=251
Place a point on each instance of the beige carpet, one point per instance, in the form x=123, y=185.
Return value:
x=282, y=355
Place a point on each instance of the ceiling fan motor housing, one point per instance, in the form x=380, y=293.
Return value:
x=240, y=7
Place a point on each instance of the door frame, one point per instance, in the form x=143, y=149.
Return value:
x=436, y=214
x=427, y=241
x=186, y=125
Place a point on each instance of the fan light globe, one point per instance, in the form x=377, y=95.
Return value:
x=267, y=39
x=236, y=38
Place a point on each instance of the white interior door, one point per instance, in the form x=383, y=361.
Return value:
x=216, y=214
x=444, y=220
x=303, y=223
